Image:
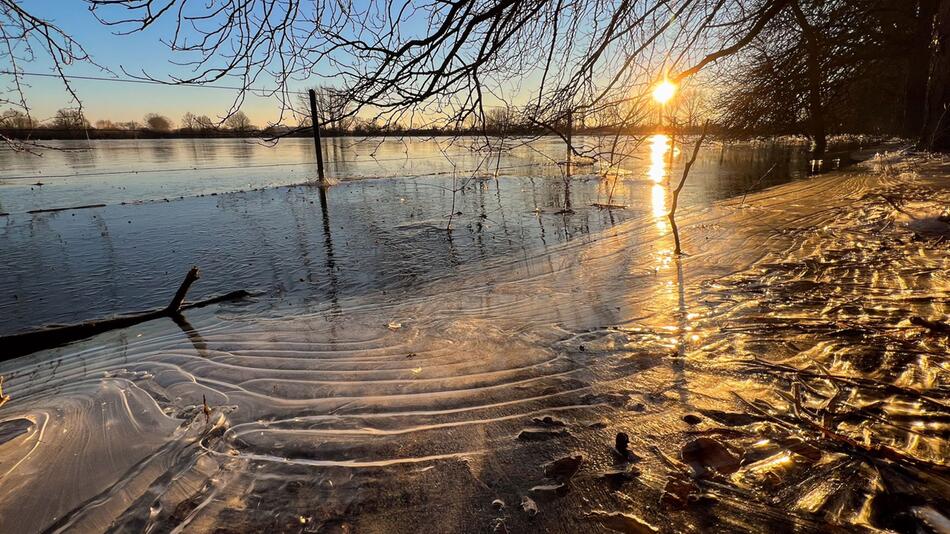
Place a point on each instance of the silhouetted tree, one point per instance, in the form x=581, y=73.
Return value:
x=188, y=121
x=158, y=123
x=203, y=122
x=936, y=129
x=26, y=38
x=15, y=119
x=333, y=108
x=238, y=122
x=69, y=119
x=693, y=106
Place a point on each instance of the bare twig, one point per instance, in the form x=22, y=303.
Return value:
x=676, y=192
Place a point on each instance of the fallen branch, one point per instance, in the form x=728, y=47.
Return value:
x=851, y=381
x=875, y=451
x=53, y=210
x=175, y=305
x=46, y=338
x=609, y=206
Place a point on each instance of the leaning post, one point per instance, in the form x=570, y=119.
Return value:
x=570, y=128
x=318, y=145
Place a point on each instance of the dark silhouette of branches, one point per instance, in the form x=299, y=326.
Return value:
x=24, y=38
x=450, y=62
x=461, y=61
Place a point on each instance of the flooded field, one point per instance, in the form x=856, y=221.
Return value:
x=536, y=369
x=248, y=226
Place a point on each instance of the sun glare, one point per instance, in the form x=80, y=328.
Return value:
x=664, y=91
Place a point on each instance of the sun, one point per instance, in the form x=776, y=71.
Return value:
x=664, y=91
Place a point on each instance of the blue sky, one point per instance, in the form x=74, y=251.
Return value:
x=135, y=52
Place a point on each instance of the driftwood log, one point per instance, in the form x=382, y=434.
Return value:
x=54, y=336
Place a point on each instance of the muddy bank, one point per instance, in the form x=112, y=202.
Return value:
x=789, y=372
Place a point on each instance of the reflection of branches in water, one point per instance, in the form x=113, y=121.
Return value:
x=683, y=340
x=201, y=346
x=328, y=245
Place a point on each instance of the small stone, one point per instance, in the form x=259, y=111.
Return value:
x=563, y=469
x=622, y=442
x=676, y=492
x=529, y=506
x=547, y=421
x=541, y=435
x=706, y=454
x=692, y=419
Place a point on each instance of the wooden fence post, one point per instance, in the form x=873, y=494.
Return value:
x=318, y=146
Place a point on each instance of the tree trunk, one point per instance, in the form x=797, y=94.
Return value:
x=816, y=116
x=936, y=131
x=918, y=68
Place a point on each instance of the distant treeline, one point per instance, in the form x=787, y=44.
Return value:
x=53, y=133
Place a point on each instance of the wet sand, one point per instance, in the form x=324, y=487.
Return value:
x=789, y=373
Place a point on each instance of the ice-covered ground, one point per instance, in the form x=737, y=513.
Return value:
x=789, y=373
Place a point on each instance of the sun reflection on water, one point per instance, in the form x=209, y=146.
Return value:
x=659, y=147
x=658, y=201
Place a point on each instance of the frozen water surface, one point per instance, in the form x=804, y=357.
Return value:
x=788, y=373
x=246, y=228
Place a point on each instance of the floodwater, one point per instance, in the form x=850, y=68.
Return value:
x=789, y=373
x=248, y=225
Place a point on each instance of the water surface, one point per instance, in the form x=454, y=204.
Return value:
x=225, y=205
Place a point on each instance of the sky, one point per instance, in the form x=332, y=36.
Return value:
x=144, y=52
x=121, y=102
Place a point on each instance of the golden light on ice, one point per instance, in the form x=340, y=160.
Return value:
x=664, y=91
x=659, y=146
x=658, y=203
